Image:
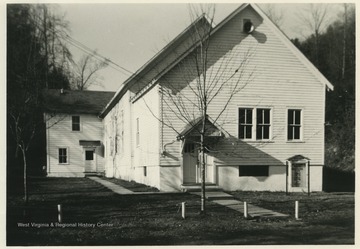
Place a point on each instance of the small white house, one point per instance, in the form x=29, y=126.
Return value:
x=270, y=136
x=74, y=132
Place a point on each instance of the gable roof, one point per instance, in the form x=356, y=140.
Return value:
x=201, y=20
x=192, y=128
x=156, y=60
x=75, y=101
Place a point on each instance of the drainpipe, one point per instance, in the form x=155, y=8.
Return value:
x=287, y=176
x=164, y=147
x=308, y=163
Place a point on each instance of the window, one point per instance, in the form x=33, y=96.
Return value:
x=294, y=125
x=245, y=123
x=76, y=123
x=137, y=132
x=262, y=124
x=89, y=155
x=63, y=156
x=261, y=117
x=255, y=170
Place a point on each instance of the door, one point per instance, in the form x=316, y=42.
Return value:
x=90, y=160
x=190, y=163
x=298, y=175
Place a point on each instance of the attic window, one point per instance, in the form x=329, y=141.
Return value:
x=76, y=123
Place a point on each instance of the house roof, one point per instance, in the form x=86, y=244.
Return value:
x=75, y=101
x=201, y=20
x=155, y=61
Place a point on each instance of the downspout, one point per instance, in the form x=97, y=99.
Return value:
x=287, y=176
x=308, y=163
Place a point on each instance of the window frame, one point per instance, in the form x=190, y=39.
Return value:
x=246, y=124
x=66, y=156
x=263, y=124
x=73, y=123
x=254, y=132
x=301, y=125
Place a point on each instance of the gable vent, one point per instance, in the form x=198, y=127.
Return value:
x=248, y=26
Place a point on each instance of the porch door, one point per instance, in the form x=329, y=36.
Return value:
x=190, y=161
x=298, y=175
x=90, y=160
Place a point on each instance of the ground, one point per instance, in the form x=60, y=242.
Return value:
x=155, y=219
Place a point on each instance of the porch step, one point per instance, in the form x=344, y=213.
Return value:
x=216, y=195
x=94, y=174
x=197, y=187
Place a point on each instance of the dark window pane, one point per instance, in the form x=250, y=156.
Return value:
x=290, y=132
x=242, y=116
x=241, y=132
x=297, y=116
x=259, y=116
x=266, y=116
x=255, y=170
x=297, y=132
x=89, y=155
x=290, y=117
x=259, y=133
x=248, y=116
x=248, y=131
x=266, y=132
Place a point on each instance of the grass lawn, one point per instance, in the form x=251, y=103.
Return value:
x=155, y=219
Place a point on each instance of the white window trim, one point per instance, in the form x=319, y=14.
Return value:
x=254, y=124
x=301, y=140
x=67, y=155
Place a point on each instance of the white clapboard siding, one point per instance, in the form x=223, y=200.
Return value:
x=60, y=135
x=279, y=81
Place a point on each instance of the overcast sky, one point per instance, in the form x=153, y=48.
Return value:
x=130, y=34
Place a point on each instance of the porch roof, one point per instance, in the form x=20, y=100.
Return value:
x=193, y=128
x=90, y=143
x=297, y=158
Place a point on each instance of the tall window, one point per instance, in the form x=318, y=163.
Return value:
x=262, y=124
x=294, y=124
x=137, y=132
x=76, y=123
x=245, y=123
x=63, y=156
x=260, y=117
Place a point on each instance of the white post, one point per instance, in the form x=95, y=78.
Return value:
x=59, y=213
x=296, y=210
x=245, y=210
x=183, y=209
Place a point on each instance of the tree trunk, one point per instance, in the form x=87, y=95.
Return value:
x=344, y=43
x=202, y=148
x=26, y=198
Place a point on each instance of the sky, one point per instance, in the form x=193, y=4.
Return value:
x=130, y=34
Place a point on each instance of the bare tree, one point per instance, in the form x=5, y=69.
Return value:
x=205, y=83
x=315, y=17
x=85, y=72
x=275, y=14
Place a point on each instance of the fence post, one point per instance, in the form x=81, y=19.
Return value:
x=183, y=209
x=59, y=213
x=296, y=210
x=245, y=209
